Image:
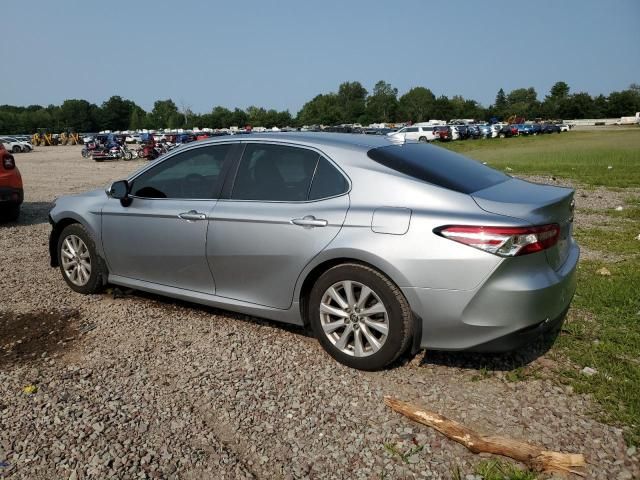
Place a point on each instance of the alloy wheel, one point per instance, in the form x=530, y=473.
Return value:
x=76, y=260
x=354, y=318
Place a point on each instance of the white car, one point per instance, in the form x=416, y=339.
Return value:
x=420, y=133
x=15, y=146
x=564, y=127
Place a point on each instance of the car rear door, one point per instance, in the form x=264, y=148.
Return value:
x=284, y=206
x=160, y=237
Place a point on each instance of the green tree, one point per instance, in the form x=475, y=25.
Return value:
x=416, y=105
x=322, y=110
x=382, y=104
x=165, y=114
x=78, y=115
x=115, y=113
x=352, y=98
x=136, y=122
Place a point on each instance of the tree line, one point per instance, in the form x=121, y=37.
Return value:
x=352, y=103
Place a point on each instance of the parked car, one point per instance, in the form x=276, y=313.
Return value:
x=489, y=131
x=474, y=132
x=507, y=131
x=11, y=192
x=524, y=129
x=17, y=145
x=564, y=127
x=423, y=133
x=377, y=246
x=536, y=128
x=463, y=131
x=11, y=145
x=551, y=128
x=442, y=133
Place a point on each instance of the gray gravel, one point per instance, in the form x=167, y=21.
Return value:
x=136, y=386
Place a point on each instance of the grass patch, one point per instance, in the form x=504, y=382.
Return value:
x=602, y=333
x=615, y=236
x=581, y=156
x=501, y=470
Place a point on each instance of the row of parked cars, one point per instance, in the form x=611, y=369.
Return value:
x=430, y=133
x=17, y=144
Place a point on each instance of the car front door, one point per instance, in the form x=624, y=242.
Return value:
x=286, y=204
x=160, y=236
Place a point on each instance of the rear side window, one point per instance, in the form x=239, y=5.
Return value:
x=412, y=129
x=327, y=182
x=274, y=173
x=437, y=166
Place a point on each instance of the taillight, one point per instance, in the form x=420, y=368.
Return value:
x=8, y=162
x=504, y=241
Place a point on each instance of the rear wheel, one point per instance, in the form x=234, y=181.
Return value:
x=502, y=135
x=81, y=267
x=16, y=149
x=360, y=317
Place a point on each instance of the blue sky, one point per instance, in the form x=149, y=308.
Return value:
x=279, y=54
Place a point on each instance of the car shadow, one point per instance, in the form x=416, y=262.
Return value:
x=491, y=361
x=31, y=213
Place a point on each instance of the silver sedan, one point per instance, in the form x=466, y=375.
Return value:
x=378, y=246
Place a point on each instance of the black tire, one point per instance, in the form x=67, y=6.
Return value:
x=400, y=317
x=16, y=149
x=128, y=156
x=422, y=139
x=85, y=153
x=98, y=275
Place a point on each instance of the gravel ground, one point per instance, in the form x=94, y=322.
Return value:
x=130, y=385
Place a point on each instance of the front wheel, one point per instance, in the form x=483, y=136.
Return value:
x=81, y=267
x=128, y=156
x=422, y=139
x=360, y=317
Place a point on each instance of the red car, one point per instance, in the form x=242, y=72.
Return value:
x=11, y=193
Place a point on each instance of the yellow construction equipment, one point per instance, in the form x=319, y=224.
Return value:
x=43, y=138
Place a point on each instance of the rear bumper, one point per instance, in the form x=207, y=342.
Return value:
x=11, y=195
x=519, y=301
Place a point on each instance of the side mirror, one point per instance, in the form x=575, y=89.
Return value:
x=119, y=190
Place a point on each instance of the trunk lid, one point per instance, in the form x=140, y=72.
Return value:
x=534, y=204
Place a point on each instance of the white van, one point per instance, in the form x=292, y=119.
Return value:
x=422, y=133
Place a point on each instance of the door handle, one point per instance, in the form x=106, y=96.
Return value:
x=309, y=221
x=192, y=215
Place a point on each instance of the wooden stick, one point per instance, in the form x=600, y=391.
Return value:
x=531, y=455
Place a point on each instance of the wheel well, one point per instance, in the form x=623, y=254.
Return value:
x=55, y=235
x=317, y=271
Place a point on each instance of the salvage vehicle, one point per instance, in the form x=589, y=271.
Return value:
x=11, y=191
x=377, y=246
x=420, y=133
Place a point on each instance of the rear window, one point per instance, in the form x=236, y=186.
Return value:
x=437, y=166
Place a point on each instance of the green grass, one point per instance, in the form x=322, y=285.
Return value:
x=501, y=470
x=581, y=156
x=602, y=332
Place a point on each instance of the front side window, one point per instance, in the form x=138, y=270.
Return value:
x=193, y=174
x=274, y=173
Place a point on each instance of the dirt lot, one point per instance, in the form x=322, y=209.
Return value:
x=129, y=385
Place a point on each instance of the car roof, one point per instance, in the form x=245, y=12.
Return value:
x=315, y=139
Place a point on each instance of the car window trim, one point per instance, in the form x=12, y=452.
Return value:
x=234, y=172
x=228, y=161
